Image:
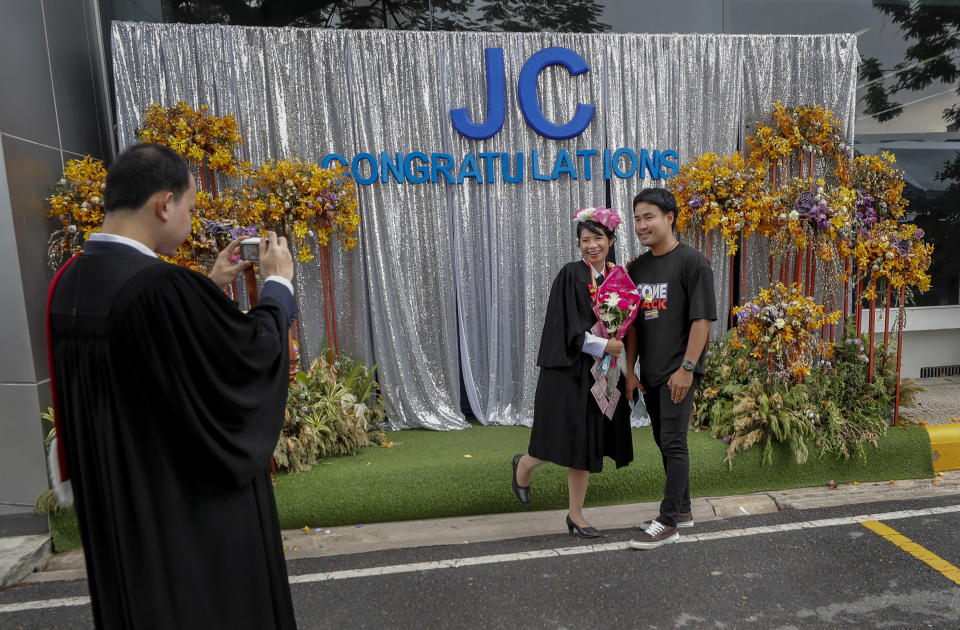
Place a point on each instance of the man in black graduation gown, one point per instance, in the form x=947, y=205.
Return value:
x=169, y=404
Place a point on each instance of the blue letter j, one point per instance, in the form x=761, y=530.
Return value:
x=496, y=101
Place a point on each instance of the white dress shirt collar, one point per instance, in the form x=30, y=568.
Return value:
x=593, y=270
x=122, y=240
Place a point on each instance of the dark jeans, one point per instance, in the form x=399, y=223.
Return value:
x=670, y=423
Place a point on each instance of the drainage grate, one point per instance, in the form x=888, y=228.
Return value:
x=943, y=370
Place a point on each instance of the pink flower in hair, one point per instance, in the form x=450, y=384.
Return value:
x=606, y=217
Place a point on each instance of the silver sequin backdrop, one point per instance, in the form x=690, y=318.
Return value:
x=451, y=275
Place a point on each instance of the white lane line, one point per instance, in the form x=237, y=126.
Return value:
x=44, y=603
x=454, y=563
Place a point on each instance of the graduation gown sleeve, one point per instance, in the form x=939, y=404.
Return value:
x=223, y=373
x=569, y=315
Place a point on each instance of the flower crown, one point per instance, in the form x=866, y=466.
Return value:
x=606, y=217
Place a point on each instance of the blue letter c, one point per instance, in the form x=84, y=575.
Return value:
x=527, y=93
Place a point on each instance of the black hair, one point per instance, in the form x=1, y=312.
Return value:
x=593, y=226
x=140, y=171
x=659, y=197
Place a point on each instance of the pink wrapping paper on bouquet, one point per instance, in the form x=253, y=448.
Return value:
x=615, y=303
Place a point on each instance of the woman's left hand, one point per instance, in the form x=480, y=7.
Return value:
x=614, y=347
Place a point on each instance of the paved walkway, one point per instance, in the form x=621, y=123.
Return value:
x=938, y=404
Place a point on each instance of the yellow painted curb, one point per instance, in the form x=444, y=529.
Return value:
x=945, y=446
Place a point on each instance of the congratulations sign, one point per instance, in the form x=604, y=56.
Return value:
x=418, y=167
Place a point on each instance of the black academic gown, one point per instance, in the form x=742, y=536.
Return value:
x=568, y=427
x=171, y=402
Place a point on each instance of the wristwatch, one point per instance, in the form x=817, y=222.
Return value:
x=688, y=365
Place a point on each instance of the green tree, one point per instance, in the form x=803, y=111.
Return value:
x=581, y=16
x=439, y=15
x=932, y=28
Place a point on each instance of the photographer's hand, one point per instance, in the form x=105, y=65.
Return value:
x=275, y=257
x=224, y=271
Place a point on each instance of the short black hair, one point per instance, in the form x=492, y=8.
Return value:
x=593, y=226
x=140, y=171
x=659, y=197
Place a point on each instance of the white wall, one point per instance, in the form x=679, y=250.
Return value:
x=931, y=336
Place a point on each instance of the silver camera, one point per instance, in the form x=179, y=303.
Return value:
x=250, y=249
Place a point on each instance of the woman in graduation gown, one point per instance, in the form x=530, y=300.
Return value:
x=569, y=429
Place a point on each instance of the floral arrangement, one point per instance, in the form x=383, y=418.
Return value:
x=879, y=182
x=895, y=253
x=615, y=302
x=836, y=408
x=821, y=217
x=196, y=135
x=722, y=193
x=775, y=379
x=783, y=326
x=300, y=199
x=77, y=202
x=810, y=129
x=297, y=199
x=606, y=217
x=198, y=252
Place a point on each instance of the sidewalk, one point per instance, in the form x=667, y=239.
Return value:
x=938, y=404
x=320, y=542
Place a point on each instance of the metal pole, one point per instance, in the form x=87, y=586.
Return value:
x=896, y=403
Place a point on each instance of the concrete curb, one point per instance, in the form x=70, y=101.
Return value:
x=22, y=555
x=334, y=541
x=489, y=527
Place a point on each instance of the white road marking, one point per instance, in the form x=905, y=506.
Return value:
x=455, y=563
x=45, y=603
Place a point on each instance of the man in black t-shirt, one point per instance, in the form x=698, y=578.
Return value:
x=670, y=337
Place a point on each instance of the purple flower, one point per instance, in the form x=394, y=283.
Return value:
x=805, y=202
x=903, y=245
x=238, y=232
x=919, y=234
x=696, y=202
x=215, y=227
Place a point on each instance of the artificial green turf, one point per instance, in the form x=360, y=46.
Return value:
x=427, y=474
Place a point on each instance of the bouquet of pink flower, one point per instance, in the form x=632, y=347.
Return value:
x=616, y=303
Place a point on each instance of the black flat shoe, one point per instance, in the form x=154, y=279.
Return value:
x=582, y=532
x=521, y=492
